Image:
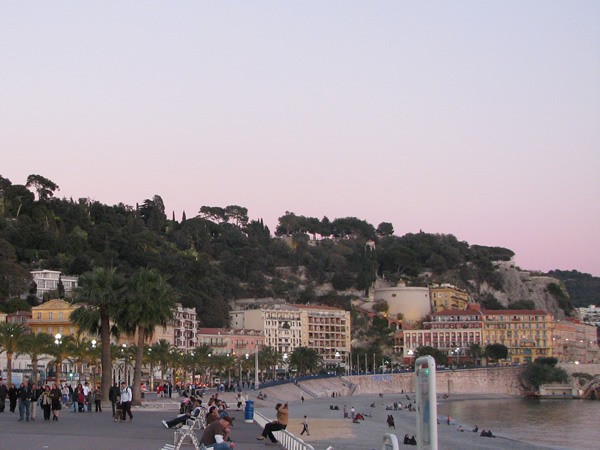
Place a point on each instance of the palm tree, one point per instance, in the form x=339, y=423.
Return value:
x=162, y=351
x=269, y=358
x=35, y=345
x=100, y=293
x=62, y=349
x=11, y=335
x=150, y=304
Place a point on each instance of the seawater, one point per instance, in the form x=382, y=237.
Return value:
x=570, y=424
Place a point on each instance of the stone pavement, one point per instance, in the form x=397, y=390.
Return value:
x=98, y=431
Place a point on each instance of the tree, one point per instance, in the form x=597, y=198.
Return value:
x=496, y=352
x=385, y=229
x=475, y=351
x=100, y=293
x=542, y=371
x=35, y=345
x=305, y=360
x=11, y=336
x=440, y=357
x=150, y=303
x=162, y=351
x=268, y=358
x=61, y=350
x=43, y=186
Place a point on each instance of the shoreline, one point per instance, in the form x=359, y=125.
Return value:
x=329, y=428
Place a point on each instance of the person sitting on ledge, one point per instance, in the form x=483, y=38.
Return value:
x=183, y=417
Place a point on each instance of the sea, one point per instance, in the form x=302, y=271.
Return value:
x=568, y=424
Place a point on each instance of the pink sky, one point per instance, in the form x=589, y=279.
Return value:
x=478, y=119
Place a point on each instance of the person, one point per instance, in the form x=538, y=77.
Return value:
x=406, y=439
x=390, y=422
x=97, y=393
x=217, y=434
x=12, y=397
x=113, y=396
x=280, y=423
x=305, y=427
x=412, y=441
x=126, y=398
x=212, y=415
x=183, y=417
x=35, y=396
x=345, y=412
x=3, y=394
x=352, y=413
x=302, y=398
x=46, y=402
x=24, y=395
x=56, y=396
x=476, y=429
x=79, y=397
x=87, y=403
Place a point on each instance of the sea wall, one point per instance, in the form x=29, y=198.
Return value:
x=491, y=381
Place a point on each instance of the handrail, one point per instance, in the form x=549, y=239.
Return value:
x=285, y=438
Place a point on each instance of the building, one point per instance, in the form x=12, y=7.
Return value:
x=47, y=282
x=447, y=296
x=409, y=302
x=526, y=333
x=589, y=315
x=325, y=329
x=185, y=324
x=574, y=342
x=52, y=317
x=228, y=341
x=452, y=331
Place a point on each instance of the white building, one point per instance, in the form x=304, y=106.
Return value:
x=185, y=326
x=47, y=281
x=589, y=315
x=286, y=327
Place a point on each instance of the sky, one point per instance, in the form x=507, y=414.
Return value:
x=477, y=119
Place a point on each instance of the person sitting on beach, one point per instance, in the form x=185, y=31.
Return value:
x=412, y=441
x=372, y=405
x=476, y=429
x=406, y=439
x=280, y=423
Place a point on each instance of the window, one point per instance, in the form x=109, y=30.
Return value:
x=60, y=316
x=50, y=316
x=39, y=316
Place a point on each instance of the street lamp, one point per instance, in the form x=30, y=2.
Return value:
x=285, y=358
x=337, y=362
x=57, y=341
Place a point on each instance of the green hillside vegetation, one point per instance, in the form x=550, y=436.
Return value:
x=583, y=288
x=219, y=254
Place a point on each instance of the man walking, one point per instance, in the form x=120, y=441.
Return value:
x=24, y=395
x=113, y=396
x=3, y=394
x=305, y=427
x=126, y=398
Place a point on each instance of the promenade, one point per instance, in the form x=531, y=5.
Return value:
x=75, y=431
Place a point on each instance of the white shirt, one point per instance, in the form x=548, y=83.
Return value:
x=126, y=395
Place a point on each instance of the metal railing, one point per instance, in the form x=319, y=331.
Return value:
x=286, y=439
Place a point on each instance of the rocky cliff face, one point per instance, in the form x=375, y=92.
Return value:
x=522, y=285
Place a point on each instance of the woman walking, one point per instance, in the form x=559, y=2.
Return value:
x=46, y=402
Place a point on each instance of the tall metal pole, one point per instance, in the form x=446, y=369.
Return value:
x=256, y=368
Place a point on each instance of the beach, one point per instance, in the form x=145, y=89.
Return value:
x=329, y=428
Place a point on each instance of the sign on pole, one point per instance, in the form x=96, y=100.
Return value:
x=426, y=403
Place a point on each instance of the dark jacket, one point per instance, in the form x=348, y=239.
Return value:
x=24, y=393
x=114, y=393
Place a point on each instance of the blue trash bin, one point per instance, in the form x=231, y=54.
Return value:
x=249, y=412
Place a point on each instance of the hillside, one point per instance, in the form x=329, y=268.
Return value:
x=219, y=254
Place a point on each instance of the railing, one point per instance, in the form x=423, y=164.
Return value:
x=286, y=439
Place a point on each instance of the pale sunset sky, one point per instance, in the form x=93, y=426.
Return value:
x=477, y=119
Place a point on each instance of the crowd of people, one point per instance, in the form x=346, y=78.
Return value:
x=50, y=398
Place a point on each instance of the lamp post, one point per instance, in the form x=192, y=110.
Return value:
x=57, y=341
x=285, y=358
x=337, y=362
x=256, y=368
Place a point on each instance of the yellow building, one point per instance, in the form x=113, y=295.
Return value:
x=526, y=333
x=53, y=317
x=447, y=296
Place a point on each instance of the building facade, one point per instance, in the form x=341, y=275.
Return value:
x=447, y=296
x=228, y=341
x=326, y=330
x=185, y=326
x=47, y=281
x=53, y=317
x=575, y=342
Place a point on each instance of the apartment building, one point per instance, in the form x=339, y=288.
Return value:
x=53, y=317
x=447, y=296
x=47, y=281
x=185, y=326
x=575, y=342
x=288, y=326
x=228, y=341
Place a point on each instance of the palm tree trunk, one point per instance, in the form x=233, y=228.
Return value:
x=106, y=359
x=137, y=371
x=34, y=369
x=9, y=367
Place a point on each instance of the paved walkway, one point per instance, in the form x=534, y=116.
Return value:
x=75, y=431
